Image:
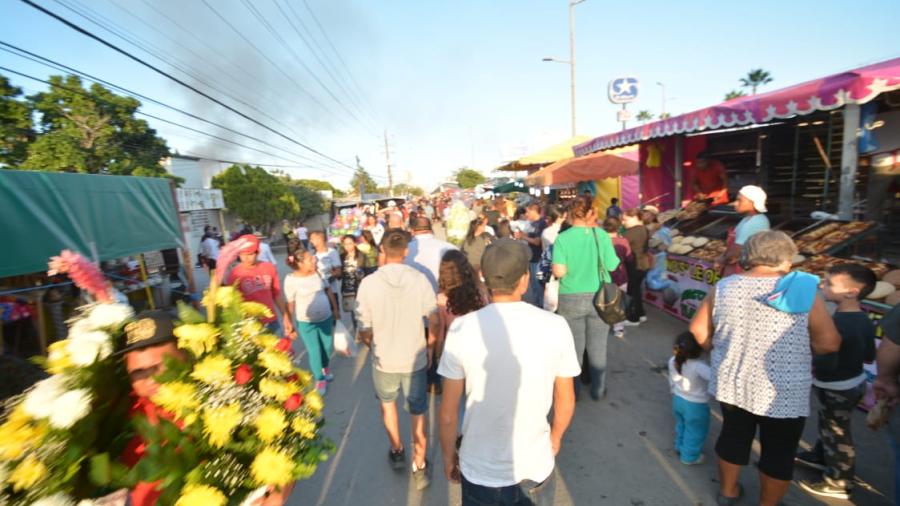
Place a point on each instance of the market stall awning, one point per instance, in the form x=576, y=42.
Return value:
x=98, y=216
x=512, y=186
x=854, y=87
x=592, y=167
x=547, y=156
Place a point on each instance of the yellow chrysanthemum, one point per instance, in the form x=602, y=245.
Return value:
x=219, y=423
x=272, y=467
x=270, y=423
x=304, y=377
x=306, y=428
x=58, y=359
x=27, y=473
x=19, y=433
x=314, y=402
x=276, y=362
x=226, y=296
x=278, y=390
x=198, y=338
x=251, y=329
x=177, y=397
x=256, y=310
x=201, y=495
x=265, y=341
x=213, y=370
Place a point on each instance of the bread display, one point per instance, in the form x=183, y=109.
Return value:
x=825, y=237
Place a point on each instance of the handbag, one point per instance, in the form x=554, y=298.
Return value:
x=609, y=299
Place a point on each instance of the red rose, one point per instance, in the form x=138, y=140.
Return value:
x=293, y=377
x=293, y=402
x=243, y=374
x=284, y=345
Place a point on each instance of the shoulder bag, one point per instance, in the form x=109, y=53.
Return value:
x=609, y=299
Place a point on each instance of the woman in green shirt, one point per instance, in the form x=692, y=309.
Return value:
x=577, y=255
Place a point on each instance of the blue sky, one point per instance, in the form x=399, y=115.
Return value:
x=454, y=82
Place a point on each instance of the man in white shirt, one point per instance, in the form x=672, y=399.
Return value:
x=302, y=235
x=328, y=261
x=265, y=254
x=426, y=251
x=514, y=362
x=209, y=248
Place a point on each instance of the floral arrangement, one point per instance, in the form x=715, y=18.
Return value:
x=243, y=417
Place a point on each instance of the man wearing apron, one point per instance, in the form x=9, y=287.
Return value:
x=751, y=204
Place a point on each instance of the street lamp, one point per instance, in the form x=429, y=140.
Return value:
x=571, y=60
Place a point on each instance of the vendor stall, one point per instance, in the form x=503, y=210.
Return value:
x=535, y=161
x=129, y=225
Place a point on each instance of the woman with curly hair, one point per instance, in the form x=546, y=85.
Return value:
x=459, y=292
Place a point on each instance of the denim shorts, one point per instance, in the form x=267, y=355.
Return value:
x=413, y=384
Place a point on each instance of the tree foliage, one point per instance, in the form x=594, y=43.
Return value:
x=406, y=189
x=92, y=130
x=308, y=197
x=756, y=78
x=733, y=94
x=362, y=180
x=258, y=197
x=644, y=116
x=469, y=178
x=15, y=125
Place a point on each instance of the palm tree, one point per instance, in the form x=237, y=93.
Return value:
x=756, y=78
x=644, y=116
x=733, y=94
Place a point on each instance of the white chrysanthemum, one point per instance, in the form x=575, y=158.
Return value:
x=109, y=315
x=57, y=499
x=87, y=347
x=38, y=402
x=70, y=407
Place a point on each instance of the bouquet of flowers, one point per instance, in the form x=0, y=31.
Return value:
x=56, y=439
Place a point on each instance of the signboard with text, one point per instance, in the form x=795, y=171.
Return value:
x=198, y=199
x=691, y=280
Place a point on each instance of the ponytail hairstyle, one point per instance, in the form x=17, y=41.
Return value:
x=685, y=348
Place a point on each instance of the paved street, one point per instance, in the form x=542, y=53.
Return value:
x=616, y=452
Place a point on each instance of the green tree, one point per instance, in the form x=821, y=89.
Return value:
x=756, y=78
x=258, y=197
x=733, y=94
x=362, y=180
x=92, y=130
x=15, y=125
x=468, y=178
x=406, y=189
x=308, y=198
x=317, y=184
x=644, y=116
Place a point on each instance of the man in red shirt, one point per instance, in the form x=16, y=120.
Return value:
x=258, y=282
x=710, y=179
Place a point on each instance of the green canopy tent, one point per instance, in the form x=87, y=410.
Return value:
x=512, y=186
x=101, y=217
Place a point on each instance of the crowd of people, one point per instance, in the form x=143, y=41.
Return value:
x=503, y=324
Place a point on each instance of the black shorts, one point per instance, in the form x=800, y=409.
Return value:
x=778, y=439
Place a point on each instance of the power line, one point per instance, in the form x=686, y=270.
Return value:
x=179, y=81
x=334, y=50
x=65, y=68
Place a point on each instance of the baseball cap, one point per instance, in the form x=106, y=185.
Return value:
x=148, y=329
x=504, y=263
x=650, y=207
x=252, y=243
x=756, y=195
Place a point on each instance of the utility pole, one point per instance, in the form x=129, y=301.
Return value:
x=387, y=157
x=572, y=4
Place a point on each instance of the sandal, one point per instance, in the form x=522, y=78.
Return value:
x=722, y=500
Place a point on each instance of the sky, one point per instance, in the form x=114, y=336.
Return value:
x=453, y=83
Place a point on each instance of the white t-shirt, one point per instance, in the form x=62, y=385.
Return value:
x=692, y=383
x=425, y=254
x=510, y=355
x=327, y=261
x=549, y=235
x=265, y=254
x=302, y=233
x=210, y=248
x=308, y=297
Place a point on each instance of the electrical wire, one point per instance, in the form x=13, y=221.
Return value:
x=118, y=49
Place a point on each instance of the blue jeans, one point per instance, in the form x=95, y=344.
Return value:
x=590, y=332
x=691, y=427
x=535, y=293
x=525, y=493
x=318, y=337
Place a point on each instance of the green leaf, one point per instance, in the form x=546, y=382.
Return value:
x=188, y=315
x=101, y=470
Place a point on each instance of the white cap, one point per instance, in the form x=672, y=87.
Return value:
x=650, y=207
x=391, y=203
x=756, y=195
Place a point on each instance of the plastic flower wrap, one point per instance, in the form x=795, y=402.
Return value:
x=58, y=440
x=246, y=416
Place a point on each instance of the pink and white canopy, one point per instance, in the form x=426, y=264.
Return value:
x=853, y=87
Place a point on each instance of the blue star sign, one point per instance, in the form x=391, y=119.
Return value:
x=623, y=90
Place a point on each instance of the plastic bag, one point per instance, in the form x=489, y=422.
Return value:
x=343, y=341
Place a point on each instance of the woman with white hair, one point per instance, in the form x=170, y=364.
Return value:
x=761, y=362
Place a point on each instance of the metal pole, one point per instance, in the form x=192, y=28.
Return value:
x=679, y=170
x=387, y=157
x=572, y=60
x=662, y=114
x=849, y=158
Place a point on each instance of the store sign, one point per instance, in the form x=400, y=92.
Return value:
x=623, y=116
x=691, y=280
x=623, y=90
x=198, y=199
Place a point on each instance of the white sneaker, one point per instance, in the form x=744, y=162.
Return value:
x=629, y=323
x=642, y=319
